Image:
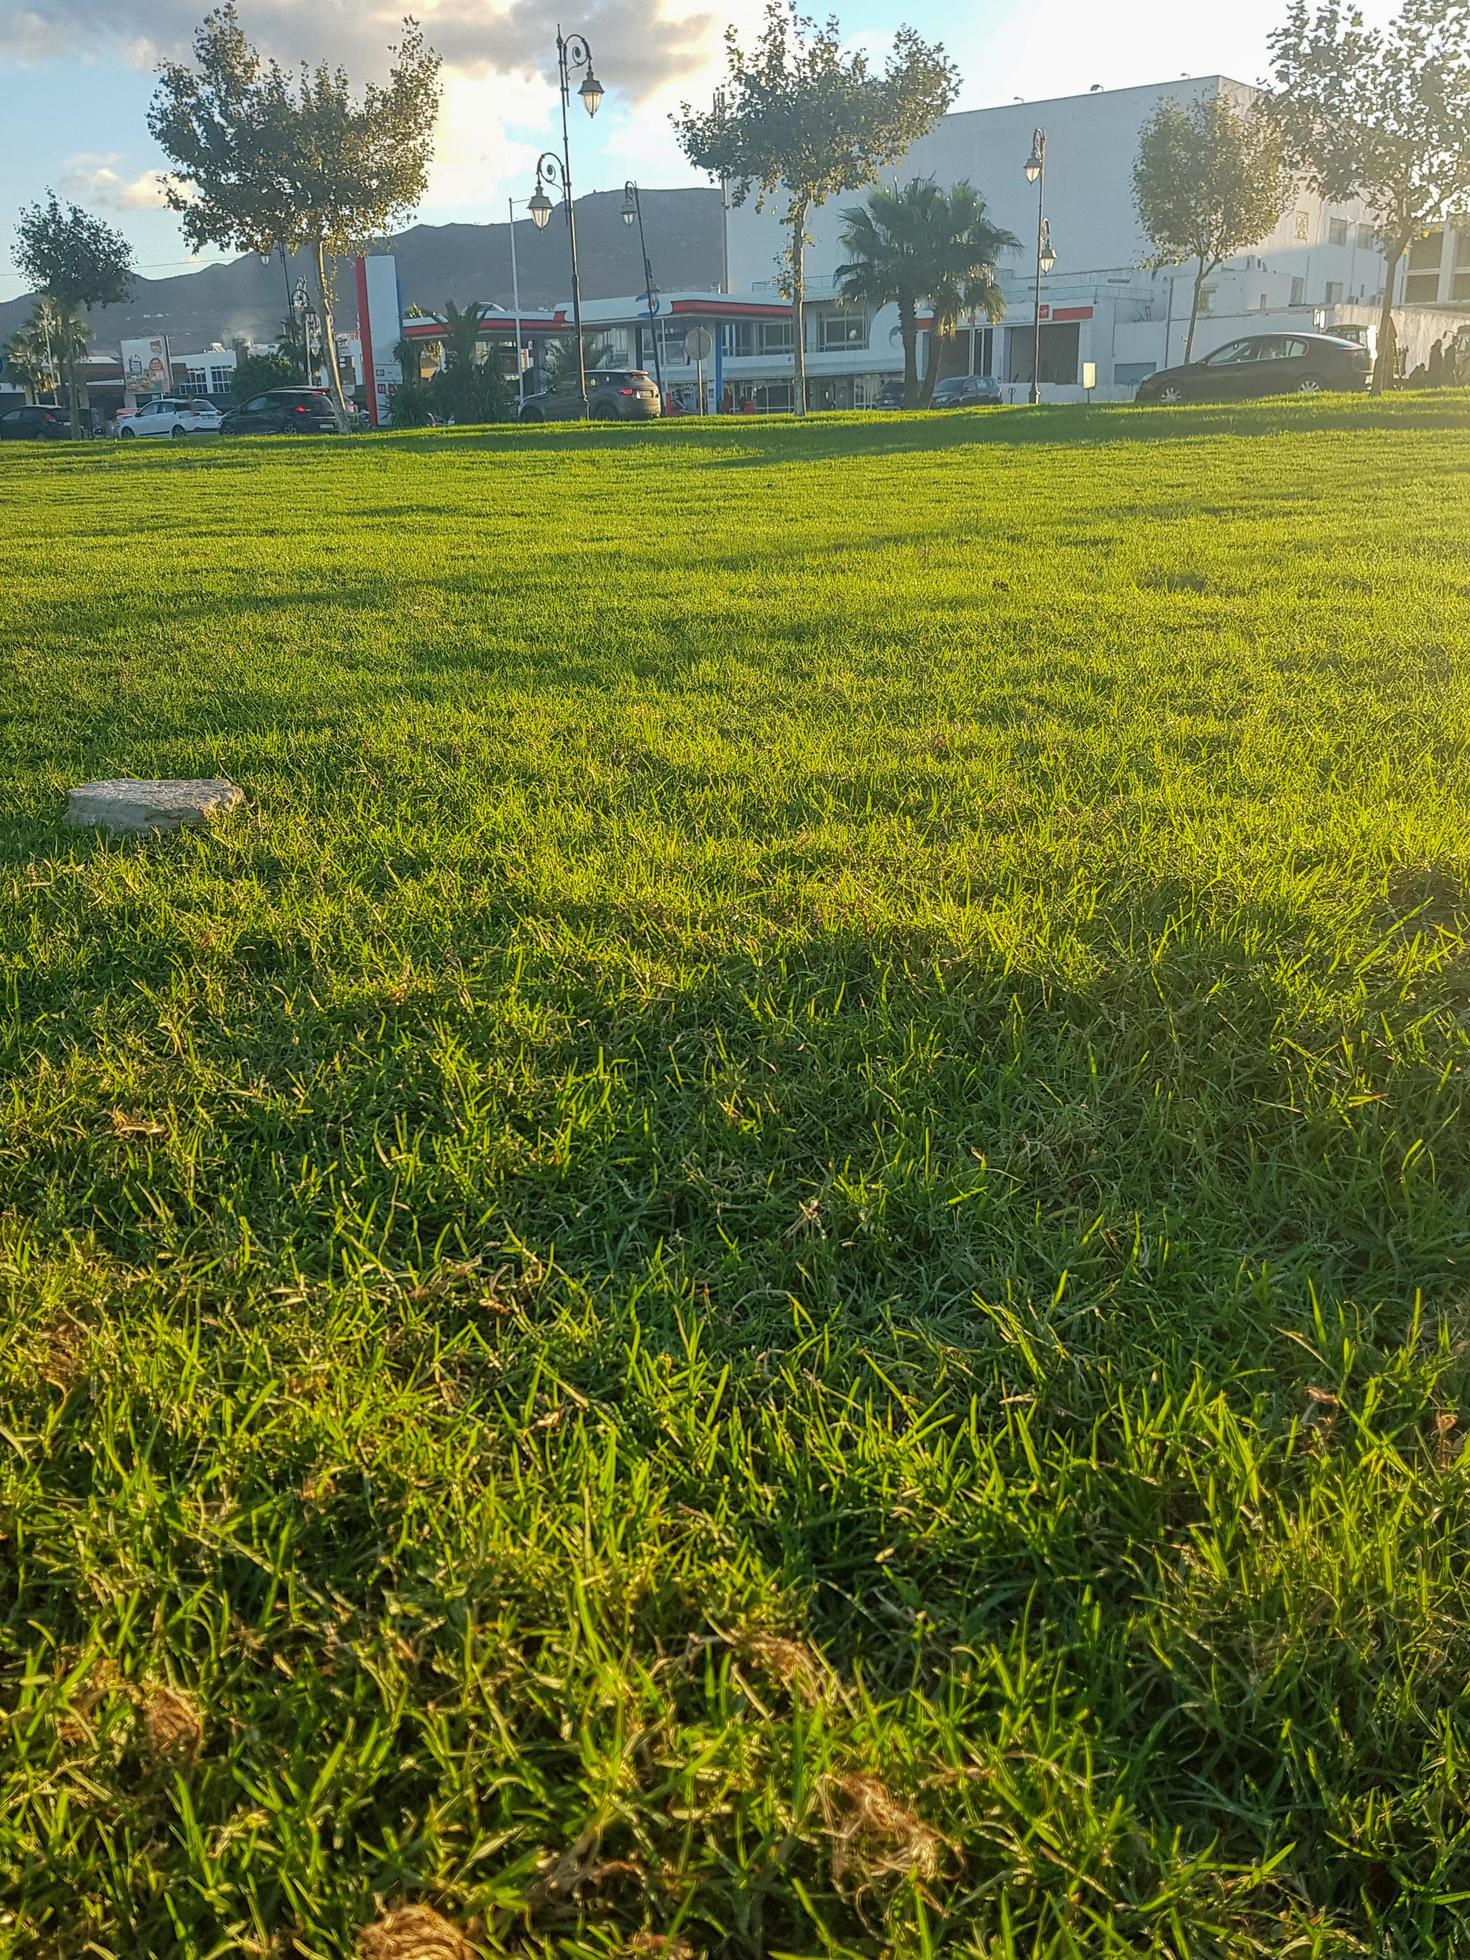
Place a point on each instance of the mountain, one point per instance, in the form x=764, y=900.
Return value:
x=246, y=299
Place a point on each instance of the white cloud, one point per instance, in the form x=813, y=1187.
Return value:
x=93, y=180
x=642, y=42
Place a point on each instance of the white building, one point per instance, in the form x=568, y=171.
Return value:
x=1320, y=267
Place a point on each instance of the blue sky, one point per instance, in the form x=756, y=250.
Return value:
x=77, y=105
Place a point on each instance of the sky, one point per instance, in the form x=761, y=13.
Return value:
x=81, y=72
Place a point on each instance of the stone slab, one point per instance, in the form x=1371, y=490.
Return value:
x=141, y=805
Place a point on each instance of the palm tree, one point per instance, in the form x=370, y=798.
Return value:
x=963, y=279
x=559, y=363
x=461, y=340
x=38, y=352
x=913, y=243
x=886, y=241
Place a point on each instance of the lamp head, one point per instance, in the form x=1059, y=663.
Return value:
x=540, y=208
x=629, y=208
x=591, y=93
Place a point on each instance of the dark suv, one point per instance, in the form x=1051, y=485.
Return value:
x=613, y=395
x=1264, y=364
x=43, y=424
x=283, y=412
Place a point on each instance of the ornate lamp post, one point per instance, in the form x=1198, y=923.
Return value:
x=1046, y=258
x=572, y=56
x=633, y=209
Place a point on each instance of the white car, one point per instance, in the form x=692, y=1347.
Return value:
x=171, y=415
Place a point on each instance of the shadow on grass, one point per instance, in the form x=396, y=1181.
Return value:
x=753, y=442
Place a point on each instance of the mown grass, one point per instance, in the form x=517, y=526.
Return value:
x=775, y=1260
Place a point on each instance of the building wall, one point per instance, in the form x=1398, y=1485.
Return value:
x=1092, y=141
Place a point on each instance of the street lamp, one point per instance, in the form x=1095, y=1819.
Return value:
x=1046, y=257
x=572, y=55
x=633, y=210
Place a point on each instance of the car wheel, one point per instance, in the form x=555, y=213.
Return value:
x=127, y=435
x=532, y=415
x=1171, y=397
x=178, y=430
x=604, y=412
x=1310, y=384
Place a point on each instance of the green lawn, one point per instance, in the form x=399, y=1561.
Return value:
x=775, y=1260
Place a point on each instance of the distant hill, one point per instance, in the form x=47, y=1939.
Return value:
x=246, y=300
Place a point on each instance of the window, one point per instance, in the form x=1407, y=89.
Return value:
x=775, y=337
x=1303, y=228
x=740, y=338
x=836, y=331
x=1333, y=294
x=1337, y=231
x=1421, y=289
x=1232, y=354
x=258, y=406
x=1298, y=292
x=1426, y=253
x=196, y=382
x=1367, y=238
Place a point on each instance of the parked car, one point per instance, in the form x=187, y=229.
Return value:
x=890, y=395
x=967, y=391
x=171, y=415
x=613, y=395
x=43, y=424
x=1264, y=364
x=283, y=412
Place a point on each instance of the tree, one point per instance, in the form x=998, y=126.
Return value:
x=1383, y=115
x=964, y=276
x=801, y=119
x=76, y=261
x=263, y=159
x=914, y=243
x=1210, y=179
x=461, y=337
x=559, y=361
x=255, y=373
x=37, y=352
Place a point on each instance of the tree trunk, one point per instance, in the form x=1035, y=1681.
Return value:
x=1392, y=253
x=908, y=327
x=329, y=338
x=69, y=362
x=938, y=348
x=1199, y=287
x=798, y=323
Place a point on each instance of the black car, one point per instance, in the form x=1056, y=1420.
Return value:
x=968, y=391
x=283, y=412
x=43, y=424
x=890, y=395
x=1264, y=364
x=613, y=395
